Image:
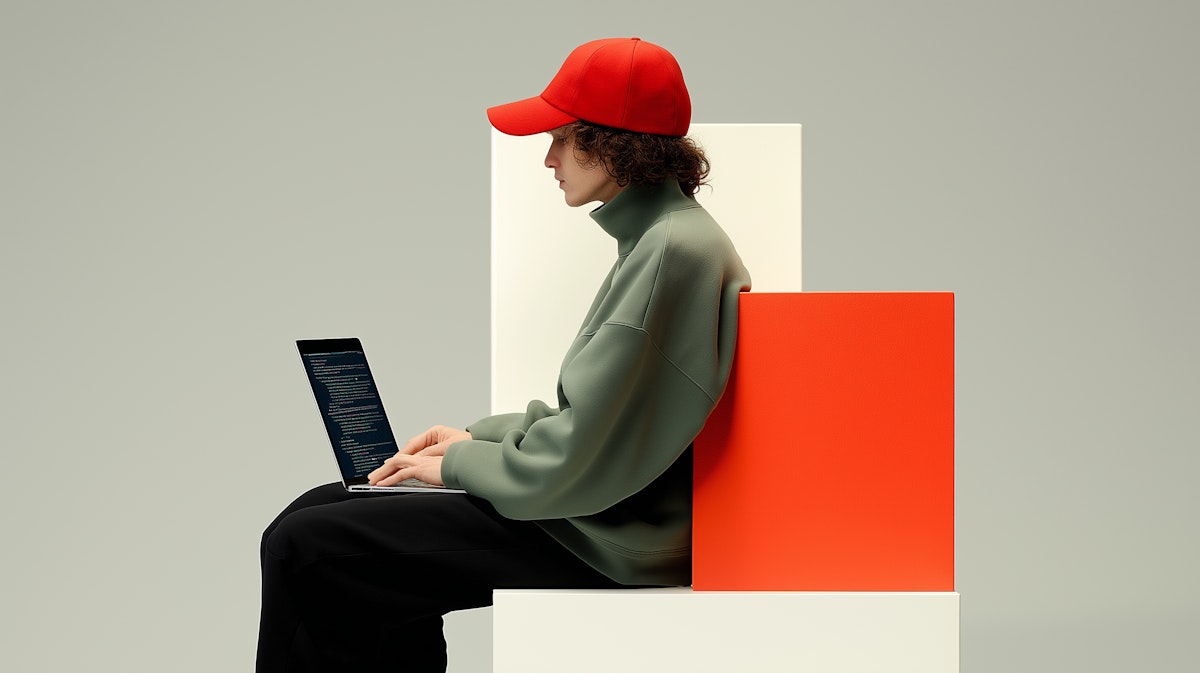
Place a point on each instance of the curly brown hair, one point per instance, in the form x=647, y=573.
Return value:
x=640, y=158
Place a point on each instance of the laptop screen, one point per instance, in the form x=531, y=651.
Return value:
x=350, y=405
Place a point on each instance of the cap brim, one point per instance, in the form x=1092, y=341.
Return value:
x=527, y=117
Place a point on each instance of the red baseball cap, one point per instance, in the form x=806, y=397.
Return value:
x=623, y=83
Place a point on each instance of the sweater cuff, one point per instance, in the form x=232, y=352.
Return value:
x=451, y=459
x=493, y=428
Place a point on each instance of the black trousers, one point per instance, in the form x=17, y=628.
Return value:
x=351, y=581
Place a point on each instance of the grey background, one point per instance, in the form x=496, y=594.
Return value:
x=185, y=188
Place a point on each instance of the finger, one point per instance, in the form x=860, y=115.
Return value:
x=438, y=449
x=421, y=441
x=387, y=468
x=414, y=445
x=450, y=437
x=379, y=472
x=398, y=476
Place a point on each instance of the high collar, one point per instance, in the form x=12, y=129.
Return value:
x=629, y=214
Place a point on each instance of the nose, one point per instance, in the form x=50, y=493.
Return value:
x=551, y=160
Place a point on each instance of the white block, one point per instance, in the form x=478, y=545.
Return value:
x=551, y=631
x=548, y=259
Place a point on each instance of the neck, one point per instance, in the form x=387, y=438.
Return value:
x=631, y=212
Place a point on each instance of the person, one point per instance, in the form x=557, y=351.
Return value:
x=594, y=492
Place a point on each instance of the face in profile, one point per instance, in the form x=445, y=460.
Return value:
x=582, y=179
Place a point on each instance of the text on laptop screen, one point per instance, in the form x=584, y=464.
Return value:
x=352, y=410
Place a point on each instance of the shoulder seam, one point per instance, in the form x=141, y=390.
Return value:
x=668, y=360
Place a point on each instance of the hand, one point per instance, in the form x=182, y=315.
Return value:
x=420, y=457
x=434, y=441
x=404, y=466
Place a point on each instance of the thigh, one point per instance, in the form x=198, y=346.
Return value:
x=428, y=552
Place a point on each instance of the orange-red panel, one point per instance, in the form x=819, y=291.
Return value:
x=829, y=463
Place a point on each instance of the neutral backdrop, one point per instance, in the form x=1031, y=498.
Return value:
x=187, y=187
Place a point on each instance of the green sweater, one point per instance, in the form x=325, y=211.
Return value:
x=608, y=473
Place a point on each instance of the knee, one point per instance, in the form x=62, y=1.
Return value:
x=287, y=537
x=272, y=538
x=306, y=535
x=312, y=498
x=321, y=495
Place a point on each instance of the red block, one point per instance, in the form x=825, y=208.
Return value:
x=828, y=465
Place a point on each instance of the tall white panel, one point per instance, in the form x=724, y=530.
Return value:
x=548, y=259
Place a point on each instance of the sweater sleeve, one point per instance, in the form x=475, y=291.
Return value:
x=629, y=413
x=493, y=428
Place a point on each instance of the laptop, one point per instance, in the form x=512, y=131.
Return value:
x=353, y=413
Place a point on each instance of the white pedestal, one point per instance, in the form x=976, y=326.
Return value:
x=551, y=631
